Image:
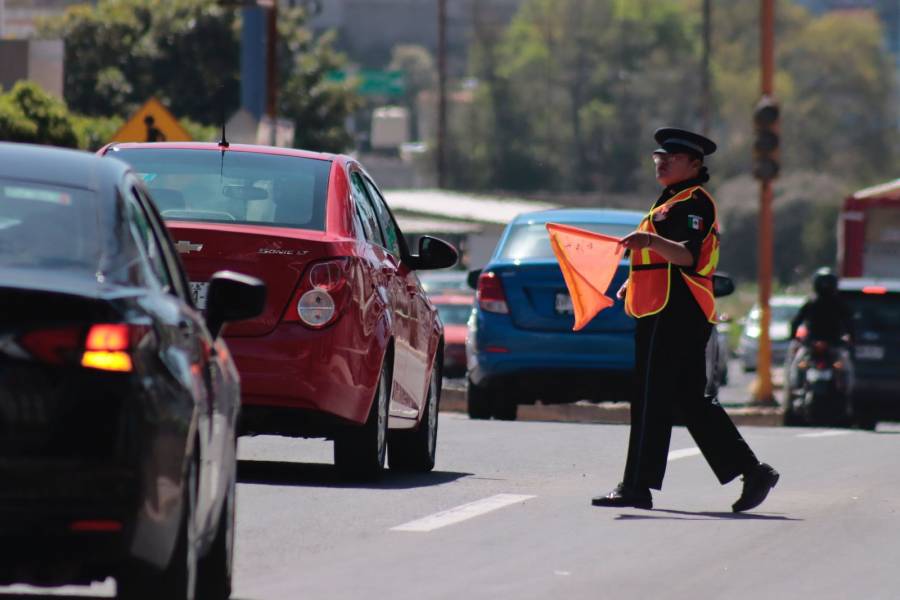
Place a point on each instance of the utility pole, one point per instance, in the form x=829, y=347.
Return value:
x=706, y=109
x=2, y=19
x=766, y=122
x=442, y=95
x=272, y=71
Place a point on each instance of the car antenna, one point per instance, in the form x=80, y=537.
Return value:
x=223, y=142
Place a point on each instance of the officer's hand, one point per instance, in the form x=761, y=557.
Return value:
x=637, y=240
x=621, y=293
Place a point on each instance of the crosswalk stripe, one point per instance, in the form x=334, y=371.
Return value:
x=683, y=453
x=819, y=434
x=462, y=513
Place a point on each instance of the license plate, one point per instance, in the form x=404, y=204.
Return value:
x=869, y=352
x=564, y=304
x=814, y=375
x=199, y=290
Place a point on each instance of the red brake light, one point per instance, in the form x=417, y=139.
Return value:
x=874, y=289
x=108, y=346
x=54, y=346
x=802, y=332
x=108, y=337
x=490, y=294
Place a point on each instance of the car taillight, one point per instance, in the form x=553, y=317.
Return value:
x=109, y=346
x=322, y=294
x=55, y=346
x=490, y=294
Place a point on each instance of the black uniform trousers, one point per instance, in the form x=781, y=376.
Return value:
x=670, y=375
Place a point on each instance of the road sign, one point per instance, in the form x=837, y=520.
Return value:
x=374, y=83
x=152, y=123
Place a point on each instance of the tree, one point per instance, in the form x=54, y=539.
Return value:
x=420, y=74
x=119, y=53
x=29, y=114
x=318, y=105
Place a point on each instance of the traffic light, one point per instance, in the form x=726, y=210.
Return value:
x=765, y=147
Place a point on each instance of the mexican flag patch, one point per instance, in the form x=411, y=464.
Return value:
x=695, y=222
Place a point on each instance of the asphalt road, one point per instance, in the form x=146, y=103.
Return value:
x=520, y=524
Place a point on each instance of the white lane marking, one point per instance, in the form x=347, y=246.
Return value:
x=819, y=434
x=683, y=453
x=462, y=513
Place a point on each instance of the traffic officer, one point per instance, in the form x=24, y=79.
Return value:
x=669, y=292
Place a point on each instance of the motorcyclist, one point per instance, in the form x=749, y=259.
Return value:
x=826, y=317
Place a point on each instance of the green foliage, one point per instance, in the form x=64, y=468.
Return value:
x=186, y=53
x=119, y=53
x=94, y=132
x=571, y=90
x=805, y=212
x=318, y=105
x=29, y=114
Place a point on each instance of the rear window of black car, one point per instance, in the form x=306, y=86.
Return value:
x=48, y=226
x=874, y=312
x=233, y=187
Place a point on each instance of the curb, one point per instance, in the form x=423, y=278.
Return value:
x=453, y=399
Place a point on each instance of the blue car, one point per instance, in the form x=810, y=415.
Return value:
x=521, y=347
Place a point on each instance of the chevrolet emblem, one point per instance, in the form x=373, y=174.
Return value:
x=185, y=247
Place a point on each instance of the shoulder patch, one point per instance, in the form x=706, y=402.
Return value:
x=695, y=222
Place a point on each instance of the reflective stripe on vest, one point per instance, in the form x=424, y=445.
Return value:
x=649, y=279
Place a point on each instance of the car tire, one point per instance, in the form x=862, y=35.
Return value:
x=478, y=399
x=360, y=452
x=415, y=451
x=504, y=408
x=140, y=581
x=214, y=570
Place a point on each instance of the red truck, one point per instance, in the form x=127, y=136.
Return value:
x=869, y=233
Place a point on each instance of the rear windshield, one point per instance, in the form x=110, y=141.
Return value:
x=531, y=241
x=48, y=226
x=233, y=187
x=874, y=312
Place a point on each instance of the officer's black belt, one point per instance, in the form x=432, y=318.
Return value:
x=665, y=265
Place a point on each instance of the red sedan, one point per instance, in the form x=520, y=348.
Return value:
x=349, y=347
x=454, y=310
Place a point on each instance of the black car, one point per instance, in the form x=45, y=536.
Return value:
x=118, y=399
x=875, y=306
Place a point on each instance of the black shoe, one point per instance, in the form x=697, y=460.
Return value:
x=757, y=484
x=625, y=496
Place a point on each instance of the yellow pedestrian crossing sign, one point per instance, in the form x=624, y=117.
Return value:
x=152, y=123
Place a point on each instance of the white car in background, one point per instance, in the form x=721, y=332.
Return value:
x=783, y=308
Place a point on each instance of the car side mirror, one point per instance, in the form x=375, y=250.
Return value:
x=233, y=297
x=722, y=285
x=434, y=253
x=472, y=278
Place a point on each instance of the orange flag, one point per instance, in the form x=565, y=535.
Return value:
x=588, y=261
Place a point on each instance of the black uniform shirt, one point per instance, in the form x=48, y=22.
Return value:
x=688, y=221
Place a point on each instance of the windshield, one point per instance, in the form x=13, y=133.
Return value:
x=531, y=240
x=234, y=187
x=454, y=314
x=47, y=226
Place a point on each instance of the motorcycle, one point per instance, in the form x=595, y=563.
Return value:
x=818, y=391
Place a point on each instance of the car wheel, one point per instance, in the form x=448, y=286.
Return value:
x=215, y=569
x=359, y=452
x=478, y=399
x=140, y=581
x=504, y=408
x=416, y=450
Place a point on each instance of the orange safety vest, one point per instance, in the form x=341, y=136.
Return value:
x=649, y=279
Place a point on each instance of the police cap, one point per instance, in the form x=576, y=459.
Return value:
x=672, y=140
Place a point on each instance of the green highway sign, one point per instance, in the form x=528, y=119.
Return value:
x=374, y=83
